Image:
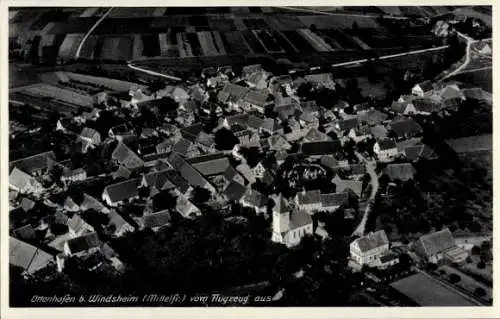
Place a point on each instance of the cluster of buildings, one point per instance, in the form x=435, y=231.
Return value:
x=180, y=156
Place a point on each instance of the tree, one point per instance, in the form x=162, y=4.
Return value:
x=476, y=250
x=480, y=292
x=454, y=278
x=164, y=200
x=252, y=155
x=225, y=139
x=200, y=195
x=481, y=265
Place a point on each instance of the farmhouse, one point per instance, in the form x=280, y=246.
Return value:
x=368, y=250
x=422, y=89
x=116, y=194
x=35, y=164
x=385, y=149
x=124, y=155
x=23, y=183
x=440, y=246
x=27, y=257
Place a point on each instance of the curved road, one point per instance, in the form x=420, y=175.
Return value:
x=77, y=54
x=136, y=68
x=370, y=169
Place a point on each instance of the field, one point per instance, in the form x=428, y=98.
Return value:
x=482, y=79
x=177, y=32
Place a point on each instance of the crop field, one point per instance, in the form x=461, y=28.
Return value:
x=70, y=45
x=114, y=48
x=481, y=78
x=61, y=94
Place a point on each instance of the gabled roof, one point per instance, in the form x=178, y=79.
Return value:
x=426, y=86
x=213, y=164
x=405, y=127
x=320, y=148
x=117, y=220
x=437, y=242
x=126, y=157
x=90, y=202
x=232, y=93
x=123, y=190
x=342, y=185
x=299, y=218
x=346, y=125
x=334, y=199
x=372, y=241
x=372, y=117
x=309, y=197
x=386, y=144
x=255, y=198
x=426, y=105
x=27, y=204
x=77, y=224
x=83, y=243
x=121, y=172
x=19, y=178
x=256, y=98
x=182, y=146
x=191, y=132
x=402, y=171
x=314, y=135
x=157, y=219
x=245, y=120
x=90, y=133
x=191, y=175
x=270, y=125
x=234, y=191
x=33, y=163
x=26, y=256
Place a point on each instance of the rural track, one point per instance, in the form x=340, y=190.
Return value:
x=136, y=68
x=369, y=16
x=360, y=229
x=77, y=54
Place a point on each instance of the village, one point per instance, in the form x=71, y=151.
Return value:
x=140, y=158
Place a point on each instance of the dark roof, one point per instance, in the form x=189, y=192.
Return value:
x=123, y=190
x=182, y=146
x=157, y=219
x=234, y=191
x=346, y=125
x=191, y=175
x=191, y=132
x=342, y=185
x=320, y=148
x=299, y=218
x=386, y=144
x=387, y=258
x=158, y=180
x=426, y=86
x=231, y=93
x=401, y=171
x=372, y=241
x=33, y=163
x=126, y=157
x=179, y=182
x=310, y=197
x=245, y=120
x=334, y=199
x=27, y=256
x=213, y=164
x=398, y=107
x=437, y=242
x=90, y=202
x=83, y=243
x=413, y=153
x=256, y=98
x=405, y=127
x=255, y=198
x=424, y=290
x=426, y=105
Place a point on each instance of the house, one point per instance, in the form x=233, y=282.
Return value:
x=249, y=121
x=121, y=172
x=378, y=131
x=255, y=100
x=116, y=194
x=362, y=108
x=27, y=204
x=368, y=250
x=484, y=48
x=234, y=191
x=440, y=246
x=156, y=221
x=334, y=162
x=347, y=125
x=314, y=135
x=406, y=128
x=360, y=134
x=90, y=202
x=289, y=226
x=385, y=149
x=416, y=152
x=186, y=208
x=73, y=175
x=422, y=89
x=255, y=76
x=70, y=205
x=26, y=232
x=405, y=107
x=209, y=165
x=426, y=106
x=271, y=126
x=35, y=164
x=83, y=245
x=255, y=200
x=23, y=183
x=28, y=257
x=189, y=173
x=314, y=201
x=400, y=171
x=342, y=185
x=231, y=94
x=77, y=226
x=372, y=117
x=118, y=226
x=321, y=80
x=185, y=148
x=124, y=129
x=278, y=143
x=318, y=149
x=165, y=146
x=126, y=157
x=158, y=181
x=259, y=170
x=91, y=136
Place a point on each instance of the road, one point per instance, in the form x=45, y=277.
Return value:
x=136, y=68
x=386, y=57
x=359, y=15
x=370, y=168
x=77, y=54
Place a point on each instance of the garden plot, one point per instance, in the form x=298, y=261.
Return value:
x=70, y=45
x=338, y=22
x=207, y=43
x=132, y=12
x=116, y=48
x=318, y=43
x=137, y=46
x=184, y=46
x=218, y=42
x=268, y=41
x=88, y=47
x=58, y=93
x=111, y=84
x=285, y=23
x=235, y=43
x=88, y=12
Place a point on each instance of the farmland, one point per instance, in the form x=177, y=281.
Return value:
x=175, y=32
